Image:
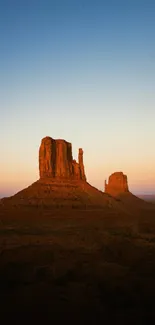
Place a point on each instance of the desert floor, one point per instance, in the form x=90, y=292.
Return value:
x=77, y=266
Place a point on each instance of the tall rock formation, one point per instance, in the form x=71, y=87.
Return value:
x=56, y=161
x=63, y=183
x=117, y=184
x=81, y=165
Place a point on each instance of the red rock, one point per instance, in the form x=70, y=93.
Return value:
x=117, y=184
x=63, y=183
x=56, y=161
x=81, y=165
x=47, y=154
x=76, y=169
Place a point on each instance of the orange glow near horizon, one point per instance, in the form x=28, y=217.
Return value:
x=139, y=182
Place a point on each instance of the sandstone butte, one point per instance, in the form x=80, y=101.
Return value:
x=56, y=161
x=117, y=184
x=117, y=187
x=63, y=183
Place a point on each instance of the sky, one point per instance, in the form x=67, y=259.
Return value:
x=83, y=71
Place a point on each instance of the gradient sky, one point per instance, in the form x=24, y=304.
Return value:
x=83, y=71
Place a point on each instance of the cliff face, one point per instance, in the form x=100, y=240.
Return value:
x=56, y=161
x=117, y=184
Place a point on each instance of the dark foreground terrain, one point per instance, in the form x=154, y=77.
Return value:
x=77, y=266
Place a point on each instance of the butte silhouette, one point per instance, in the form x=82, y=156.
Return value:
x=63, y=183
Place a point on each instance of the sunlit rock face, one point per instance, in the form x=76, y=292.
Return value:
x=56, y=160
x=117, y=184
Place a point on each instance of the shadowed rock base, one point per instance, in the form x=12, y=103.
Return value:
x=62, y=193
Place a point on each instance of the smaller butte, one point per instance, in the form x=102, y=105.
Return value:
x=117, y=184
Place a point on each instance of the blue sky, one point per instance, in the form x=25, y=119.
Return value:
x=83, y=71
